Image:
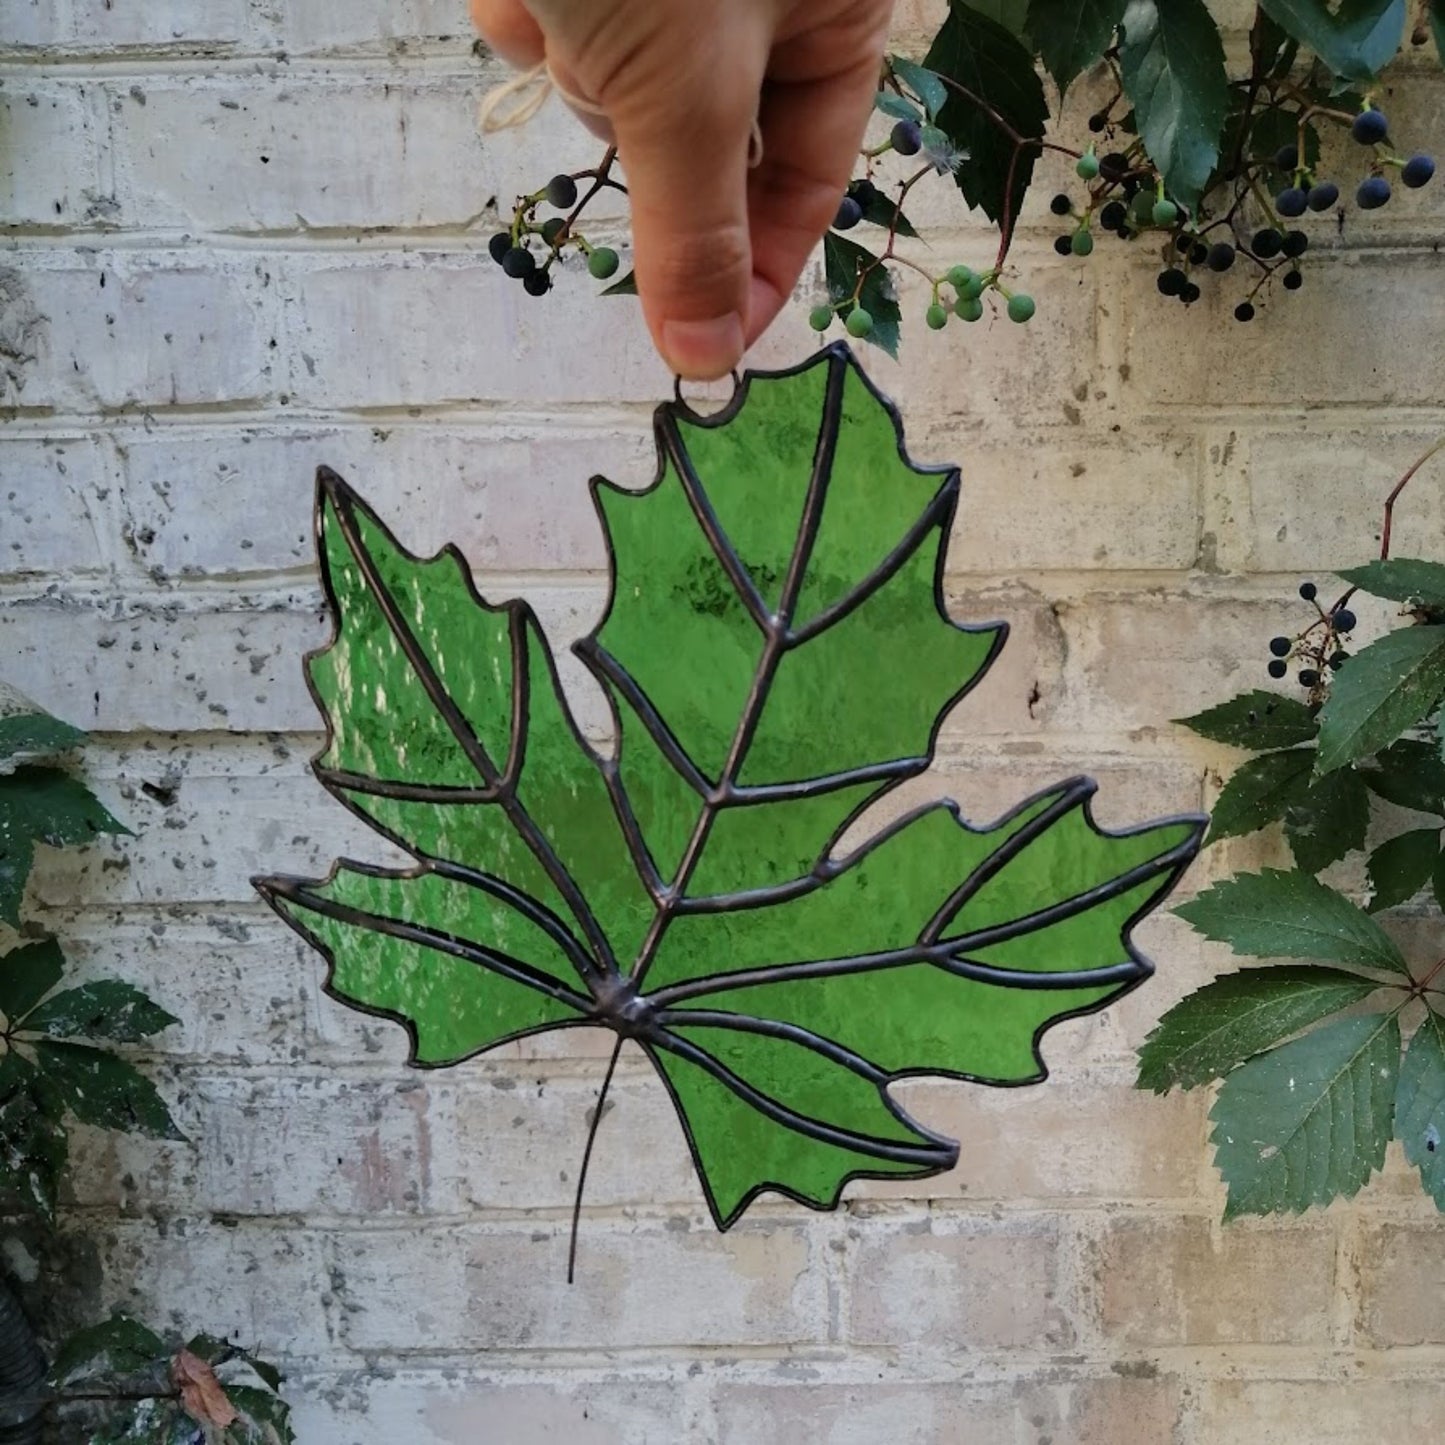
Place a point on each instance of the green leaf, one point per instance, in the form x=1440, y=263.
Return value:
x=1260, y=791
x=265, y=1419
x=1308, y=1122
x=1356, y=41
x=882, y=210
x=778, y=658
x=1256, y=720
x=1437, y=880
x=627, y=286
x=1402, y=579
x=100, y=1089
x=1400, y=868
x=1172, y=61
x=923, y=82
x=1012, y=15
x=843, y=262
x=1437, y=27
x=118, y=1346
x=1388, y=687
x=35, y=732
x=1420, y=1106
x=27, y=974
x=105, y=1010
x=1071, y=35
x=33, y=1142
x=896, y=107
x=1271, y=49
x=1409, y=774
x=989, y=61
x=1329, y=820
x=1274, y=914
x=1239, y=1015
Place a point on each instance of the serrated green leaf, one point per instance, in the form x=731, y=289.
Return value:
x=1012, y=15
x=100, y=1089
x=990, y=62
x=1401, y=579
x=1387, y=687
x=1330, y=820
x=1274, y=914
x=1071, y=35
x=33, y=1142
x=27, y=974
x=117, y=1346
x=265, y=1419
x=924, y=83
x=1239, y=1015
x=1308, y=1122
x=1401, y=867
x=1260, y=791
x=35, y=732
x=1356, y=40
x=882, y=210
x=1259, y=721
x=108, y=1009
x=1409, y=774
x=627, y=286
x=778, y=657
x=897, y=107
x=1420, y=1105
x=1272, y=50
x=1172, y=62
x=843, y=262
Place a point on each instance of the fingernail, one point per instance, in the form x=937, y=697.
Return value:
x=703, y=350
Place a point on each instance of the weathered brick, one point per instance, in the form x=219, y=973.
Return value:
x=1325, y=1411
x=1124, y=1408
x=316, y=25
x=1186, y=1281
x=958, y=1284
x=506, y=1288
x=1402, y=1271
x=204, y=502
x=49, y=164
x=78, y=25
x=52, y=516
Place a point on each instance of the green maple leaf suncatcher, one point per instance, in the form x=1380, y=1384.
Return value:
x=777, y=657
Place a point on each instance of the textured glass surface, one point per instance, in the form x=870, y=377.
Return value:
x=778, y=657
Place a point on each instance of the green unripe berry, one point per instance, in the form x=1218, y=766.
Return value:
x=859, y=322
x=820, y=318
x=1165, y=213
x=971, y=289
x=603, y=263
x=1082, y=243
x=1020, y=308
x=1088, y=167
x=937, y=317
x=959, y=276
x=969, y=308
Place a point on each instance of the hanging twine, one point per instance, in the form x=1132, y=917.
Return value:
x=518, y=99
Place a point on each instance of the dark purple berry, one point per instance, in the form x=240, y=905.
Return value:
x=1098, y=122
x=1374, y=191
x=907, y=138
x=1296, y=243
x=1293, y=281
x=1172, y=282
x=1221, y=256
x=1280, y=646
x=1309, y=678
x=1308, y=591
x=1370, y=127
x=864, y=192
x=1286, y=158
x=1114, y=166
x=1061, y=205
x=1416, y=171
x=1190, y=294
x=1244, y=311
x=552, y=229
x=1344, y=620
x=1113, y=215
x=1064, y=245
x=499, y=245
x=519, y=263
x=1291, y=202
x=849, y=214
x=562, y=192
x=1323, y=196
x=1339, y=659
x=1266, y=243
x=1277, y=668
x=1198, y=253
x=537, y=283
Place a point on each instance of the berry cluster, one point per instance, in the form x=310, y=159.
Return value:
x=1318, y=647
x=511, y=250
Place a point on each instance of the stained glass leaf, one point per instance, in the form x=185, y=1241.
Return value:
x=777, y=656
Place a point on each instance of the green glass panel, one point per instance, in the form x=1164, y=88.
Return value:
x=777, y=658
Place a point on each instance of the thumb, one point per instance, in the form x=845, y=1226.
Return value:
x=683, y=144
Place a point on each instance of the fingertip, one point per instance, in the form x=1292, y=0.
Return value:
x=703, y=350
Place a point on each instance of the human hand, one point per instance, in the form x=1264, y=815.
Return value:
x=718, y=246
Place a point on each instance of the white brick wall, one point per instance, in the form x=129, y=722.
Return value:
x=243, y=237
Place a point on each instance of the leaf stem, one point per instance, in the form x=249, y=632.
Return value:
x=587, y=1157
